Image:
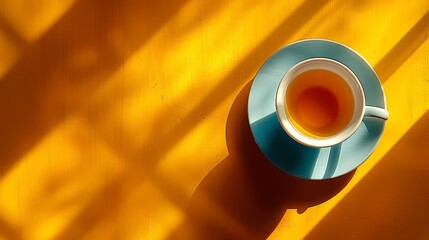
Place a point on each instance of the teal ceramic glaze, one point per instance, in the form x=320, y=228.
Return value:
x=284, y=152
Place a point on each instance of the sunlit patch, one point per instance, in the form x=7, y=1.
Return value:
x=183, y=166
x=54, y=181
x=153, y=216
x=164, y=78
x=126, y=101
x=346, y=22
x=143, y=213
x=209, y=51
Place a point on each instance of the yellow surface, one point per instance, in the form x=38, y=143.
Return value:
x=113, y=118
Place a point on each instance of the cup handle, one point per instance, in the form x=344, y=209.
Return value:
x=376, y=112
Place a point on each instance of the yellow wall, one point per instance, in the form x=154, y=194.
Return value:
x=114, y=117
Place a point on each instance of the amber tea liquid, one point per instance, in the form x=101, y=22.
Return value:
x=319, y=103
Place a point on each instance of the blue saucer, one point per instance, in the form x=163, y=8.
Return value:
x=283, y=151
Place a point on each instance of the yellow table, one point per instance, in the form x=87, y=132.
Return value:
x=114, y=116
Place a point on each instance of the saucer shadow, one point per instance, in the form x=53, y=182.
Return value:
x=245, y=196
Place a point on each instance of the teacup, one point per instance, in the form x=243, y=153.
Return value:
x=320, y=103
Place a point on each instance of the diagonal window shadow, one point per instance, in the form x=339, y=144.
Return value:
x=44, y=86
x=418, y=32
x=209, y=102
x=408, y=44
x=9, y=232
x=392, y=201
x=13, y=35
x=244, y=71
x=161, y=142
x=102, y=204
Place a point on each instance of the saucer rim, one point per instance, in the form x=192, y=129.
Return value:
x=368, y=67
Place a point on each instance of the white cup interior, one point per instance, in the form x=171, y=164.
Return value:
x=323, y=64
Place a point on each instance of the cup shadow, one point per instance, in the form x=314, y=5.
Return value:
x=245, y=196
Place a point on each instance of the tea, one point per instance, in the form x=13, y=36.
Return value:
x=319, y=103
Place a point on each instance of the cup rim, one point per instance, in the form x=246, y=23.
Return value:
x=359, y=102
